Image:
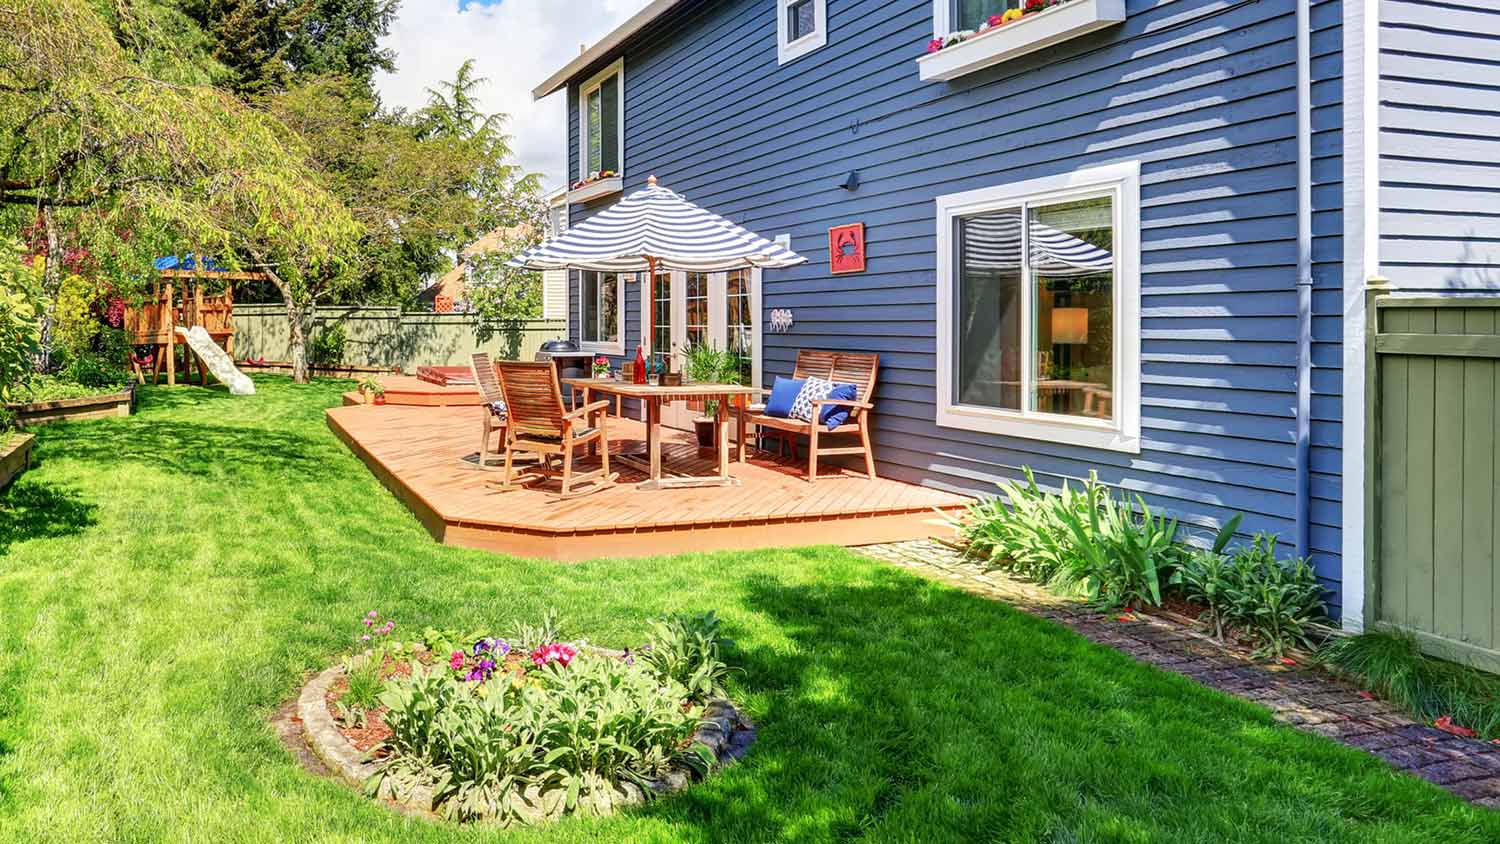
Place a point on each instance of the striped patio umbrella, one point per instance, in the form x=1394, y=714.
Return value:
x=655, y=229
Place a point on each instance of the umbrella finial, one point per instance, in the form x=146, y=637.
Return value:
x=651, y=180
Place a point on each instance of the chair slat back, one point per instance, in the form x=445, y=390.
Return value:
x=485, y=378
x=859, y=369
x=533, y=396
x=814, y=363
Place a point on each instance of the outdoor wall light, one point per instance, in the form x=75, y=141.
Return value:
x=851, y=181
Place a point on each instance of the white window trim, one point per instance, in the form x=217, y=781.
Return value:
x=1123, y=433
x=791, y=51
x=594, y=346
x=588, y=87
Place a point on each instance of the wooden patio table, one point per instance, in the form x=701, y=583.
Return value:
x=652, y=397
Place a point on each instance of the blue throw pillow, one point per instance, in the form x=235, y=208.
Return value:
x=835, y=415
x=783, y=393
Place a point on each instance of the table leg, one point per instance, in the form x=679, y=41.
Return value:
x=739, y=425
x=721, y=424
x=653, y=435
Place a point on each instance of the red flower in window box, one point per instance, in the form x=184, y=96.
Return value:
x=934, y=45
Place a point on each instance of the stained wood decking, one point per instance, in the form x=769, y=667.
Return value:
x=420, y=453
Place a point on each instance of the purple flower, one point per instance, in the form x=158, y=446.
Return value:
x=369, y=621
x=502, y=646
x=481, y=647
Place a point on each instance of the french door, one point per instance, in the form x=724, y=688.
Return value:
x=719, y=309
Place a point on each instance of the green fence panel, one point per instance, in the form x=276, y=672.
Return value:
x=1438, y=468
x=386, y=337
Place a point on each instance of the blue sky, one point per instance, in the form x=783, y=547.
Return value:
x=517, y=44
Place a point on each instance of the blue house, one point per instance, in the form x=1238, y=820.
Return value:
x=1130, y=236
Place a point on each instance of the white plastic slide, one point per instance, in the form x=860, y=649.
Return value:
x=218, y=361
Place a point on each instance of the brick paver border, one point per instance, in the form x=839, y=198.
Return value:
x=1308, y=698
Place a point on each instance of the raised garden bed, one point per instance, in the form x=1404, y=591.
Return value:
x=467, y=727
x=119, y=403
x=15, y=456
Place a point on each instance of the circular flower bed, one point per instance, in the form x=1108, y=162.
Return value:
x=529, y=726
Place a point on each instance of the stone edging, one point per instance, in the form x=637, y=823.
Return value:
x=723, y=729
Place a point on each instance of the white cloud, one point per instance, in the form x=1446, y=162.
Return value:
x=516, y=44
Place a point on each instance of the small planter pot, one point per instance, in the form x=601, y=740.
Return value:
x=380, y=398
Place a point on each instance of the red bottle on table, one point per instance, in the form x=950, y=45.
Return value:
x=640, y=366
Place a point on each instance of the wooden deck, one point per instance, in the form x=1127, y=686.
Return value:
x=427, y=456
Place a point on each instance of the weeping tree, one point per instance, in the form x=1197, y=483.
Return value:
x=102, y=135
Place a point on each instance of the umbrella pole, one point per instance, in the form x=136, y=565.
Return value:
x=648, y=300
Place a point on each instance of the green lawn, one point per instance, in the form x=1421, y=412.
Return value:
x=167, y=580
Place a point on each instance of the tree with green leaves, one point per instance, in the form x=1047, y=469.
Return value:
x=423, y=185
x=133, y=162
x=269, y=46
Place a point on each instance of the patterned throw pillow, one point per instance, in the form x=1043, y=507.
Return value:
x=499, y=410
x=816, y=389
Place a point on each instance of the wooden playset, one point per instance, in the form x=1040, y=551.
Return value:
x=178, y=299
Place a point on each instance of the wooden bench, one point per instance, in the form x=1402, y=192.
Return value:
x=857, y=368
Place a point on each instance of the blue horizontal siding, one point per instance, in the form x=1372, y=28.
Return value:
x=1201, y=92
x=1440, y=144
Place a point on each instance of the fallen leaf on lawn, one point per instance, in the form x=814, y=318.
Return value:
x=1286, y=660
x=1367, y=695
x=1446, y=724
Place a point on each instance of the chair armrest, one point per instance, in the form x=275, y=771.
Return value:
x=594, y=407
x=862, y=405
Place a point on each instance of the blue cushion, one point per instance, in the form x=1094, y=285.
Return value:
x=783, y=393
x=835, y=415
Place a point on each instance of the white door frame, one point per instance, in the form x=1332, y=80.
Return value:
x=676, y=415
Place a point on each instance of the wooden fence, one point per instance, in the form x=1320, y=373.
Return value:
x=386, y=337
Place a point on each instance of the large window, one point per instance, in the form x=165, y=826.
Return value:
x=1038, y=324
x=600, y=313
x=601, y=102
x=801, y=27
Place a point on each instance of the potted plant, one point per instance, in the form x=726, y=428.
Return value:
x=707, y=365
x=601, y=367
x=371, y=391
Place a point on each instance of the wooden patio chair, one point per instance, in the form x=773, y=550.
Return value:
x=537, y=423
x=495, y=414
x=857, y=368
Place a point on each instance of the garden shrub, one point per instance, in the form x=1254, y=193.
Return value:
x=20, y=314
x=329, y=346
x=1271, y=602
x=545, y=727
x=1117, y=552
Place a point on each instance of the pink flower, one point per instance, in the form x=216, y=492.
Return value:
x=555, y=652
x=456, y=661
x=996, y=20
x=365, y=638
x=934, y=45
x=372, y=614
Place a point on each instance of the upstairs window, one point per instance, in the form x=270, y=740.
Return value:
x=801, y=27
x=601, y=120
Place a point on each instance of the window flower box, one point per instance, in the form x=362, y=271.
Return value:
x=1018, y=37
x=587, y=190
